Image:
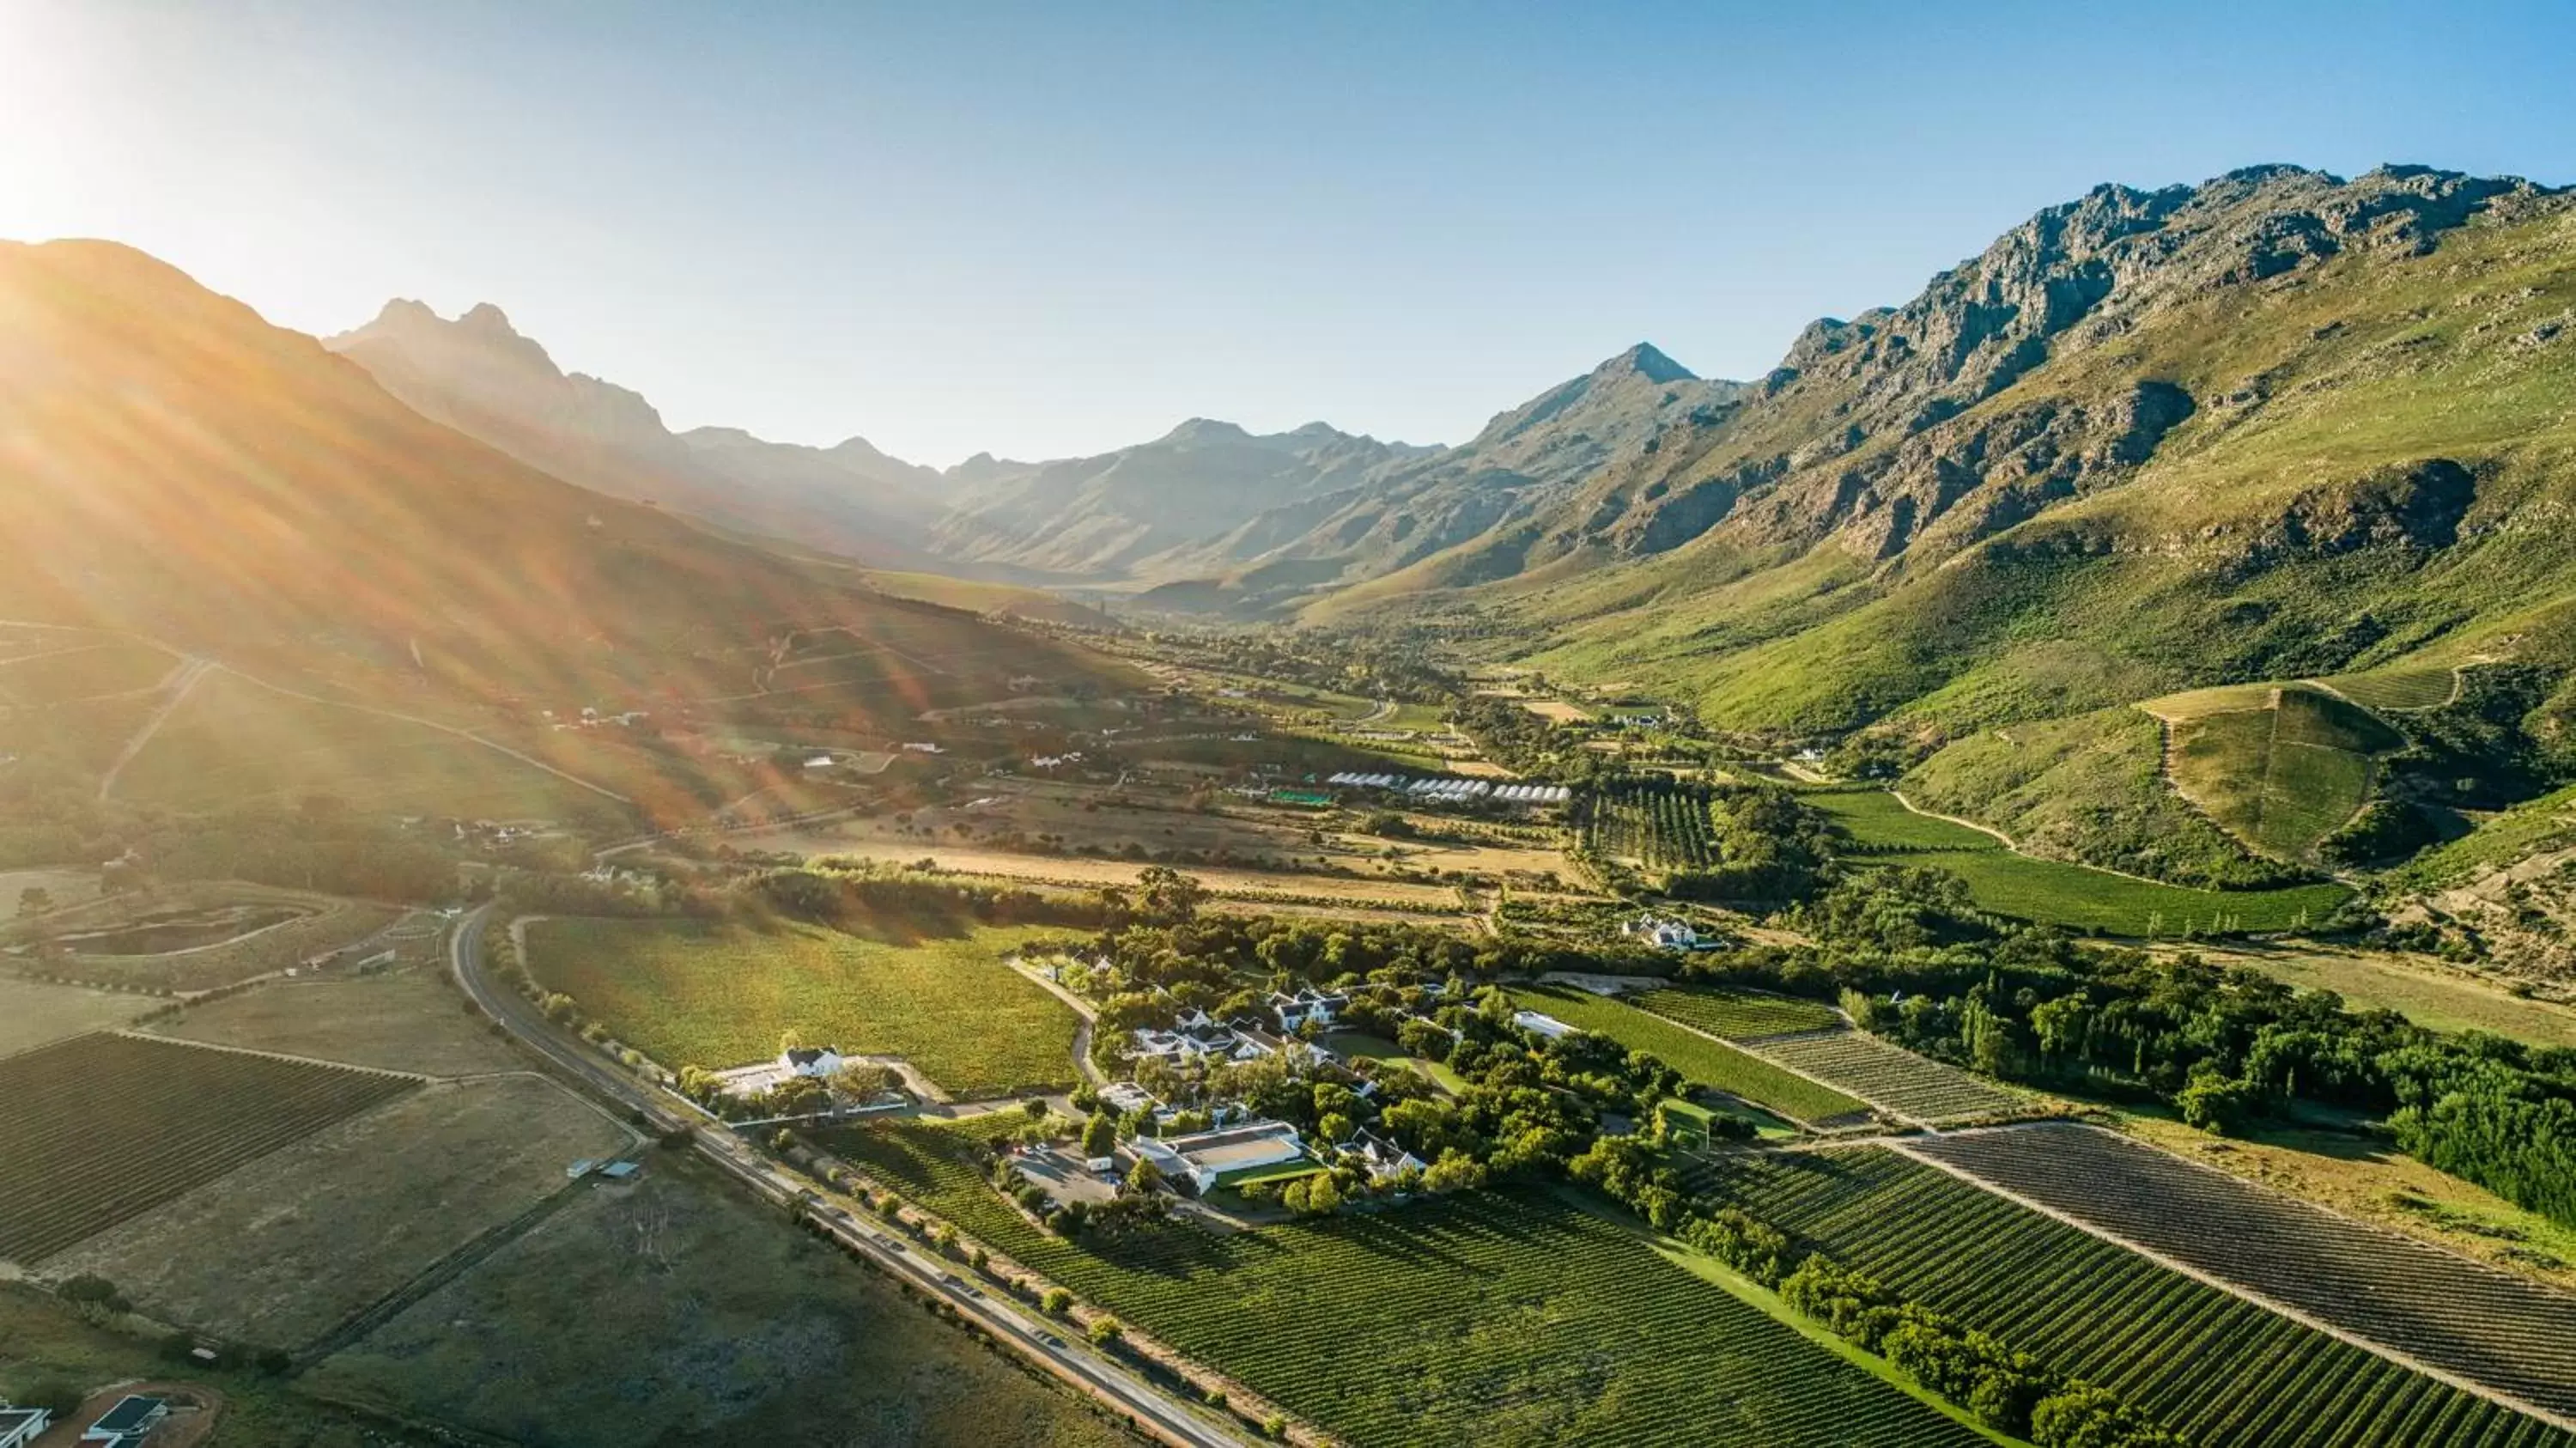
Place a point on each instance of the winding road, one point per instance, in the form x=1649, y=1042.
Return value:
x=1031, y=1337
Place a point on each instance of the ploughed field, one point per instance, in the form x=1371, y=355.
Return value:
x=1892, y=1078
x=1487, y=1318
x=2508, y=1334
x=2212, y=1367
x=717, y=995
x=99, y=1129
x=1706, y=1062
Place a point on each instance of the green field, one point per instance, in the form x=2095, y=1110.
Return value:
x=1661, y=824
x=2281, y=777
x=2052, y=893
x=1709, y=1063
x=2546, y=823
x=1487, y=1318
x=2396, y=690
x=1737, y=1014
x=2212, y=1367
x=720, y=995
x=1894, y=1078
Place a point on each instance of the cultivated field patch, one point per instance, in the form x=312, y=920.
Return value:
x=2054, y=893
x=1714, y=1064
x=2503, y=1332
x=719, y=995
x=2212, y=1367
x=672, y=1311
x=1738, y=1015
x=1481, y=1318
x=33, y=1013
x=406, y=1021
x=301, y=1240
x=101, y=1129
x=1891, y=1077
x=2397, y=691
x=2282, y=776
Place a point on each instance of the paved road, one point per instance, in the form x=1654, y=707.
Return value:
x=1032, y=1337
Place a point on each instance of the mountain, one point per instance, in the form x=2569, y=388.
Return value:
x=1117, y=513
x=2281, y=425
x=1457, y=516
x=174, y=466
x=480, y=376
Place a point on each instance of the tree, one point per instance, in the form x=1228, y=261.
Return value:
x=35, y=900
x=1099, y=1135
x=1105, y=1332
x=1056, y=1301
x=1144, y=1178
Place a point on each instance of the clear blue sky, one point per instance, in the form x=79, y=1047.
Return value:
x=1052, y=229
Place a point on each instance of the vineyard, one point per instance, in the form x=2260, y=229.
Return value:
x=2213, y=1367
x=2512, y=1336
x=2397, y=690
x=1736, y=1014
x=100, y=1129
x=1892, y=1078
x=688, y=993
x=1484, y=1318
x=1706, y=1062
x=1660, y=824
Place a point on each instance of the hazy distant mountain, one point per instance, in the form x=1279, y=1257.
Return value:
x=1106, y=515
x=1499, y=489
x=173, y=465
x=480, y=376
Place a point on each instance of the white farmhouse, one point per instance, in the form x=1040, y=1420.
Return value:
x=816, y=1061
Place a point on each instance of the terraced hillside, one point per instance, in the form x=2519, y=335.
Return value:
x=2460, y=1317
x=2220, y=1371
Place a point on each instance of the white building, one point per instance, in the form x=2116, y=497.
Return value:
x=1666, y=934
x=818, y=1061
x=1541, y=1025
x=1305, y=1006
x=1201, y=1158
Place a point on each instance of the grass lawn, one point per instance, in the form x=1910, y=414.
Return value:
x=2428, y=993
x=1485, y=1318
x=718, y=995
x=1709, y=1063
x=1377, y=1048
x=33, y=1013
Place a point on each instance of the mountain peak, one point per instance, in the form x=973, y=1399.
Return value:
x=1206, y=429
x=485, y=317
x=1647, y=361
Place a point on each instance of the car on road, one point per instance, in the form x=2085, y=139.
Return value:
x=889, y=1243
x=1052, y=1341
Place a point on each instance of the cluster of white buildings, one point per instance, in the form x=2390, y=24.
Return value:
x=1666, y=934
